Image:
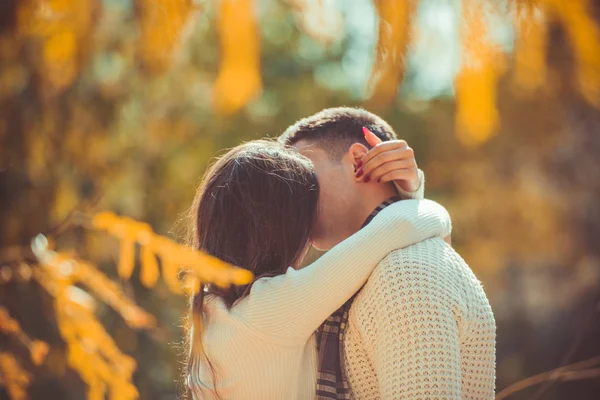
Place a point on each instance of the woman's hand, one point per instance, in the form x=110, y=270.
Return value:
x=389, y=161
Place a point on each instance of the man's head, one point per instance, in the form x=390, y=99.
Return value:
x=334, y=141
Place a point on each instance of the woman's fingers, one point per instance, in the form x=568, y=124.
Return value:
x=399, y=175
x=384, y=147
x=371, y=138
x=398, y=169
x=388, y=161
x=403, y=156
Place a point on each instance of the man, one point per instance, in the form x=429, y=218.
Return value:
x=421, y=327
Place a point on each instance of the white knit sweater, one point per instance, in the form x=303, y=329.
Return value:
x=421, y=328
x=263, y=347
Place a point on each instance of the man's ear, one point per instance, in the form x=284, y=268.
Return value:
x=357, y=152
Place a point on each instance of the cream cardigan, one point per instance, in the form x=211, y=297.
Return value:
x=263, y=347
x=421, y=328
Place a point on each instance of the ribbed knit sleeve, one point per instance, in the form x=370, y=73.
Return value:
x=417, y=194
x=291, y=306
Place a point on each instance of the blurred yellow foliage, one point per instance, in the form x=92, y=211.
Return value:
x=530, y=67
x=393, y=39
x=585, y=41
x=162, y=23
x=322, y=21
x=475, y=84
x=483, y=62
x=239, y=78
x=173, y=256
x=48, y=51
x=13, y=377
x=91, y=350
x=59, y=28
x=533, y=19
x=9, y=326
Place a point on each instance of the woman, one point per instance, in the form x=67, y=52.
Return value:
x=255, y=209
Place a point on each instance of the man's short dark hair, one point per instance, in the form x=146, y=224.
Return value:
x=336, y=129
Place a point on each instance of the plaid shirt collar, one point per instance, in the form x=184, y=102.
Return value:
x=378, y=209
x=332, y=382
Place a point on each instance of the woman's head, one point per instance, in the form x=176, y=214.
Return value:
x=255, y=209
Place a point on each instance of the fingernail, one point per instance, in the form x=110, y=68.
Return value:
x=359, y=164
x=367, y=179
x=365, y=131
x=360, y=173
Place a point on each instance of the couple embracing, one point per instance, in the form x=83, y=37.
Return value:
x=390, y=311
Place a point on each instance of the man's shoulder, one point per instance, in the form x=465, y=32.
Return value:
x=434, y=247
x=402, y=274
x=431, y=264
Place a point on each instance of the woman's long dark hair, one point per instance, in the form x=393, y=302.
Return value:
x=255, y=209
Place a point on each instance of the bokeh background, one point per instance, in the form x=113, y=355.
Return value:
x=120, y=105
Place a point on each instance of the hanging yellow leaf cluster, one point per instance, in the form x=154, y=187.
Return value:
x=483, y=62
x=13, y=377
x=238, y=80
x=395, y=21
x=162, y=24
x=476, y=82
x=91, y=351
x=9, y=326
x=530, y=67
x=60, y=28
x=532, y=19
x=198, y=265
x=584, y=35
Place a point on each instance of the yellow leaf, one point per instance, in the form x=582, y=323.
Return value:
x=126, y=258
x=65, y=200
x=163, y=23
x=239, y=78
x=59, y=57
x=38, y=351
x=395, y=19
x=61, y=28
x=170, y=274
x=14, y=378
x=149, y=274
x=530, y=69
x=584, y=34
x=482, y=63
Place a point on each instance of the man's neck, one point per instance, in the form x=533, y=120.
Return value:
x=371, y=199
